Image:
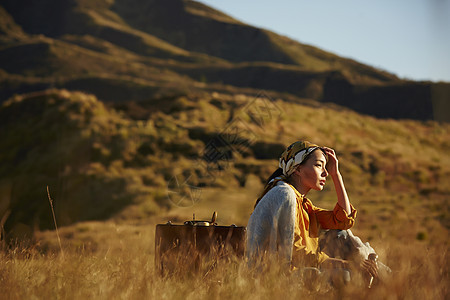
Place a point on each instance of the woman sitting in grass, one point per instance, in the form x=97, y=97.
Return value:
x=286, y=223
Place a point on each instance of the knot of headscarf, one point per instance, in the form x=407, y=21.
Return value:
x=294, y=155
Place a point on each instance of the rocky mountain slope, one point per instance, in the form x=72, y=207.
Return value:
x=141, y=50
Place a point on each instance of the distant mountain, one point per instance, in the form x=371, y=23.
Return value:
x=139, y=50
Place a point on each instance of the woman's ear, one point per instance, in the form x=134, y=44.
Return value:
x=297, y=170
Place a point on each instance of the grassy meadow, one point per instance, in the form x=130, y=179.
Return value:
x=116, y=184
x=121, y=266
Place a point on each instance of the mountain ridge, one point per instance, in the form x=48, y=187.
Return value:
x=185, y=42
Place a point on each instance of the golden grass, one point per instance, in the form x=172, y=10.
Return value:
x=122, y=267
x=115, y=259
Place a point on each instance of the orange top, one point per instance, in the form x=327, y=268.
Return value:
x=309, y=219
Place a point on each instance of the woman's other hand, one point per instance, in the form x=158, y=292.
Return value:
x=370, y=267
x=370, y=270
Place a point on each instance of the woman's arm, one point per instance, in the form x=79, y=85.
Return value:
x=333, y=171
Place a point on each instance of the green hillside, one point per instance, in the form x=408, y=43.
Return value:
x=102, y=162
x=83, y=151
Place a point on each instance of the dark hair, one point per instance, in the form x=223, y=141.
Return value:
x=278, y=172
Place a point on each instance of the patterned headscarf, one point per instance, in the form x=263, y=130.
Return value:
x=294, y=155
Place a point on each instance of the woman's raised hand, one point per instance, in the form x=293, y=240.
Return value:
x=333, y=169
x=332, y=164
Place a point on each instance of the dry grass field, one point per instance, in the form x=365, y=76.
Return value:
x=116, y=260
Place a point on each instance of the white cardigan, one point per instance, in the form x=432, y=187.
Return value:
x=271, y=225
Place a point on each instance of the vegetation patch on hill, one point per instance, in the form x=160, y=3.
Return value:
x=101, y=161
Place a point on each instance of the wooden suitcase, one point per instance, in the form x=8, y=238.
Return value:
x=196, y=245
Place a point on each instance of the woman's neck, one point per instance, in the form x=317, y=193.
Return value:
x=298, y=186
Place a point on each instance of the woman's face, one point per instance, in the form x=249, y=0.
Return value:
x=312, y=173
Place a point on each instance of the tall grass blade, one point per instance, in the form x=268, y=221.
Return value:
x=54, y=220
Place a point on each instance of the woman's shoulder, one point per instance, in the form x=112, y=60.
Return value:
x=282, y=192
x=280, y=198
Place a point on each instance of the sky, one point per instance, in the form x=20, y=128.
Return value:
x=409, y=38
